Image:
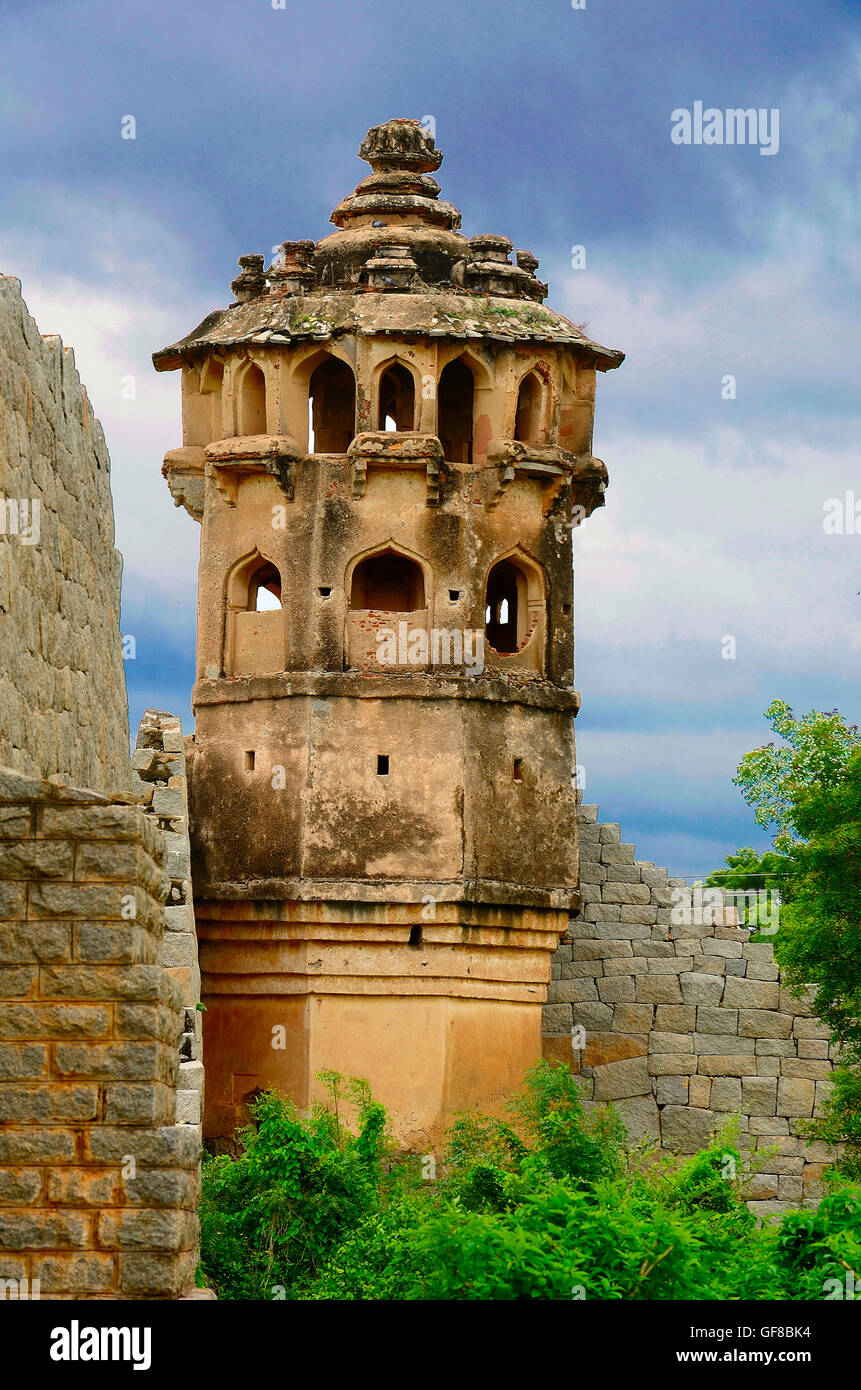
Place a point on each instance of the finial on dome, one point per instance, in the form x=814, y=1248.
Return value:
x=401, y=154
x=402, y=143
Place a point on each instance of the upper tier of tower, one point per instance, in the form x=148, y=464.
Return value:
x=396, y=265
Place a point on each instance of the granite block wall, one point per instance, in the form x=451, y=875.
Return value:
x=98, y=1182
x=63, y=709
x=681, y=1023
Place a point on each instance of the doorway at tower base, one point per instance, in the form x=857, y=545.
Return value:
x=426, y=1058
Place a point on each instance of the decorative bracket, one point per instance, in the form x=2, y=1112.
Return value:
x=397, y=450
x=229, y=460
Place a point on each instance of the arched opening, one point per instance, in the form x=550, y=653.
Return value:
x=332, y=407
x=528, y=422
x=252, y=401
x=254, y=632
x=396, y=408
x=515, y=612
x=389, y=583
x=456, y=394
x=264, y=590
x=506, y=603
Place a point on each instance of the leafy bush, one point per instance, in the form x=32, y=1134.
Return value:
x=547, y=1206
x=272, y=1216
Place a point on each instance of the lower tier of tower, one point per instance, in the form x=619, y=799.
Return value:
x=436, y=1005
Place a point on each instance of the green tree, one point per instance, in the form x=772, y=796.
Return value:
x=814, y=753
x=809, y=788
x=750, y=872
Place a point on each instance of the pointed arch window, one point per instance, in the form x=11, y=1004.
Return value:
x=528, y=425
x=264, y=590
x=515, y=611
x=397, y=399
x=332, y=407
x=254, y=620
x=505, y=607
x=387, y=620
x=252, y=401
x=455, y=406
x=389, y=583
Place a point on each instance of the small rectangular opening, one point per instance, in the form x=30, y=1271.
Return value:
x=518, y=769
x=249, y=761
x=382, y=764
x=415, y=935
x=454, y=595
x=566, y=608
x=325, y=590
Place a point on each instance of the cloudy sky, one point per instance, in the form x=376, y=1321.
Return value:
x=702, y=262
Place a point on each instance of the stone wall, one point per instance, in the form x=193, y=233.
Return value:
x=685, y=1025
x=62, y=698
x=99, y=1184
x=160, y=775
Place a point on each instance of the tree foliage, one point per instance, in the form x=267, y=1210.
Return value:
x=814, y=753
x=809, y=789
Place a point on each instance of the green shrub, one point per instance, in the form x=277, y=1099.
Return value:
x=272, y=1216
x=549, y=1206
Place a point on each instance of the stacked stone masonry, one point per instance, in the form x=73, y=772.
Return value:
x=160, y=775
x=62, y=694
x=685, y=1025
x=98, y=1183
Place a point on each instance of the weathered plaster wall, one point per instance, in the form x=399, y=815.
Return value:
x=63, y=703
x=685, y=1025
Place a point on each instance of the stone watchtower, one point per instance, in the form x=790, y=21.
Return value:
x=387, y=439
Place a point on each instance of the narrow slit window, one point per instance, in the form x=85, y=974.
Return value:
x=249, y=761
x=382, y=764
x=518, y=770
x=415, y=935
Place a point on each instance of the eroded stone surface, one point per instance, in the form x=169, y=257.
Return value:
x=63, y=708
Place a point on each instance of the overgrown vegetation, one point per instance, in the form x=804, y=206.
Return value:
x=548, y=1206
x=809, y=788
